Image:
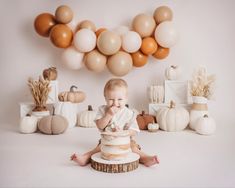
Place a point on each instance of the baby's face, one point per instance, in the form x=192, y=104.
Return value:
x=116, y=97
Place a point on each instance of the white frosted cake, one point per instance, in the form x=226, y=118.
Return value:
x=115, y=145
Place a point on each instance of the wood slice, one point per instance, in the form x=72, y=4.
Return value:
x=128, y=164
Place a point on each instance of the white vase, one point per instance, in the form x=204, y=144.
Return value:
x=40, y=114
x=199, y=109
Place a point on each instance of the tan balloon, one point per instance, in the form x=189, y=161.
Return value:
x=163, y=13
x=144, y=25
x=95, y=61
x=63, y=14
x=88, y=25
x=109, y=42
x=120, y=63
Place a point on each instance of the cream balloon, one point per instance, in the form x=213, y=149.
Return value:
x=120, y=63
x=121, y=30
x=144, y=25
x=166, y=35
x=95, y=61
x=162, y=13
x=131, y=42
x=108, y=42
x=72, y=59
x=84, y=40
x=88, y=25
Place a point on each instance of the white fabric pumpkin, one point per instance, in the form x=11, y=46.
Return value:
x=172, y=118
x=173, y=72
x=28, y=124
x=153, y=127
x=86, y=118
x=68, y=110
x=205, y=125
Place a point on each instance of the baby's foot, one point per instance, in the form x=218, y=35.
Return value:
x=149, y=161
x=82, y=160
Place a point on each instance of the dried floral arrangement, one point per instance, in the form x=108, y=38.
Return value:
x=40, y=90
x=202, y=84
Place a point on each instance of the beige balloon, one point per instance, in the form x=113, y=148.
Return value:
x=144, y=25
x=120, y=63
x=63, y=14
x=88, y=25
x=109, y=42
x=163, y=13
x=95, y=61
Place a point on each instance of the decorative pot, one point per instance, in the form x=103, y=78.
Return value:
x=40, y=114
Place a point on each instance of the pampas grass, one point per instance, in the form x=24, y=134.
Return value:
x=40, y=90
x=202, y=84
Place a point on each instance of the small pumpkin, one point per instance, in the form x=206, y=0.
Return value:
x=173, y=72
x=28, y=124
x=144, y=119
x=87, y=117
x=205, y=125
x=72, y=95
x=53, y=124
x=172, y=118
x=50, y=73
x=153, y=127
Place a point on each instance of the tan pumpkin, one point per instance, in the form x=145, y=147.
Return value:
x=53, y=124
x=50, y=73
x=144, y=119
x=72, y=95
x=86, y=118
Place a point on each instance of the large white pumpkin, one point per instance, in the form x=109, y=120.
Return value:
x=205, y=125
x=28, y=124
x=172, y=118
x=86, y=118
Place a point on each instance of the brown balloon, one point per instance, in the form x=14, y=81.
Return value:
x=163, y=13
x=148, y=46
x=161, y=53
x=87, y=24
x=43, y=24
x=61, y=36
x=64, y=14
x=95, y=61
x=99, y=31
x=139, y=59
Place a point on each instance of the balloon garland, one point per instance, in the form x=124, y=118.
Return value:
x=118, y=50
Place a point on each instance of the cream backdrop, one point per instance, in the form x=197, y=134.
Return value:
x=207, y=38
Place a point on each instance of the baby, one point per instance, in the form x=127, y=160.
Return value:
x=115, y=116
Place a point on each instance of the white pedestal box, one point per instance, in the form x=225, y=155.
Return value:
x=53, y=94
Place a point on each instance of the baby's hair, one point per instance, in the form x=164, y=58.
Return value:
x=114, y=83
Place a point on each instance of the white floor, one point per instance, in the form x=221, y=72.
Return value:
x=186, y=160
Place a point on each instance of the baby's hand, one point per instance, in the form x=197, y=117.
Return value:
x=113, y=110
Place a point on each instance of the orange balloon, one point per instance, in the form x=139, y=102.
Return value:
x=99, y=31
x=149, y=46
x=44, y=23
x=61, y=36
x=139, y=59
x=161, y=53
x=64, y=14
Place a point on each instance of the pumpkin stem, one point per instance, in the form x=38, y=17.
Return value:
x=72, y=88
x=127, y=105
x=53, y=112
x=28, y=115
x=174, y=66
x=143, y=112
x=90, y=108
x=205, y=116
x=172, y=104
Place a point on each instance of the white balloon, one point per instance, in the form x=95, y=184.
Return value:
x=72, y=59
x=84, y=40
x=166, y=35
x=131, y=41
x=121, y=30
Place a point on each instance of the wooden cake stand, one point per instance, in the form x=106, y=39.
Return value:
x=128, y=164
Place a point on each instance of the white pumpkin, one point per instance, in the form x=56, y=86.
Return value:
x=172, y=118
x=87, y=117
x=153, y=127
x=173, y=72
x=28, y=124
x=205, y=125
x=67, y=110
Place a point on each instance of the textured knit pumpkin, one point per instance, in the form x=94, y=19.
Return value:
x=172, y=118
x=86, y=118
x=53, y=124
x=28, y=124
x=72, y=95
x=50, y=73
x=144, y=119
x=205, y=125
x=172, y=73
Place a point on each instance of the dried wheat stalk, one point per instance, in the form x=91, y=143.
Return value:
x=40, y=90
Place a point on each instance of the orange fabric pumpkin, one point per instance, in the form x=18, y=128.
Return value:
x=144, y=119
x=72, y=95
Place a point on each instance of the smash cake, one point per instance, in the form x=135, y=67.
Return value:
x=115, y=145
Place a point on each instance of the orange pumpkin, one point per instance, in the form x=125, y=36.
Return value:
x=50, y=73
x=144, y=119
x=72, y=95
